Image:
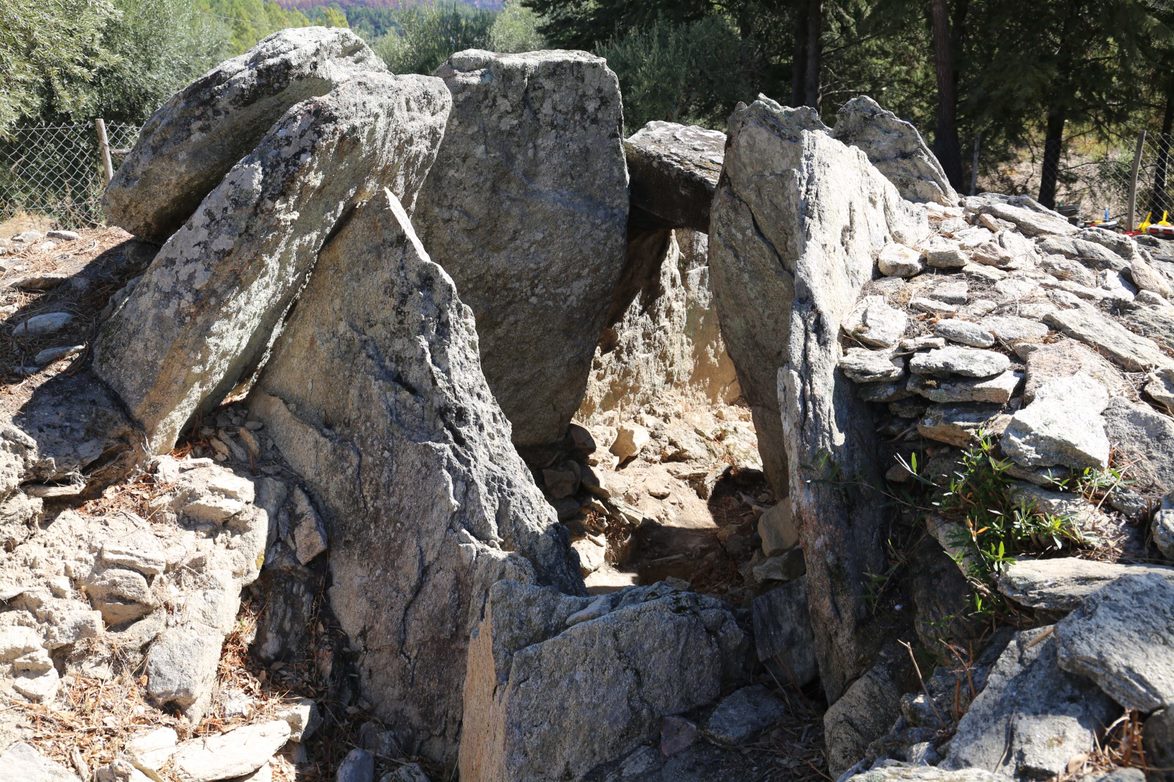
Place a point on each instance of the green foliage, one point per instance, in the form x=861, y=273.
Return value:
x=48, y=49
x=429, y=34
x=995, y=527
x=516, y=30
x=681, y=72
x=250, y=20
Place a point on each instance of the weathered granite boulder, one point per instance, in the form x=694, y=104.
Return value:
x=527, y=209
x=374, y=394
x=191, y=141
x=1032, y=718
x=674, y=170
x=666, y=339
x=557, y=685
x=1122, y=638
x=798, y=219
x=896, y=148
x=202, y=315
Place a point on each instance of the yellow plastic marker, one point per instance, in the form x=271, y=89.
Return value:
x=1144, y=225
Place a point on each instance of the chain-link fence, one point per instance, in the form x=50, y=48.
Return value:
x=58, y=170
x=1134, y=173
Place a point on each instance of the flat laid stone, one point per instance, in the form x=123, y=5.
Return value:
x=959, y=424
x=43, y=325
x=996, y=390
x=1066, y=358
x=875, y=323
x=227, y=755
x=897, y=260
x=1122, y=638
x=1026, y=213
x=1061, y=584
x=932, y=306
x=871, y=366
x=1133, y=352
x=966, y=362
x=674, y=170
x=1012, y=328
x=964, y=332
x=1062, y=426
x=1032, y=718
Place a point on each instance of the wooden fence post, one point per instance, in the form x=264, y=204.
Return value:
x=1131, y=212
x=104, y=149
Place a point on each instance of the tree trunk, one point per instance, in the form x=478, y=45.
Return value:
x=799, y=57
x=1053, y=144
x=814, y=50
x=946, y=145
x=1158, y=199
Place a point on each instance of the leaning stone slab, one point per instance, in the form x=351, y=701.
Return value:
x=896, y=148
x=374, y=394
x=203, y=313
x=798, y=218
x=1032, y=718
x=1143, y=445
x=674, y=170
x=1122, y=638
x=191, y=142
x=1062, y=584
x=527, y=209
x=548, y=697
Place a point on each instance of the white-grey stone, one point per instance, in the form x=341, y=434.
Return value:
x=1013, y=329
x=309, y=533
x=896, y=148
x=899, y=773
x=942, y=254
x=530, y=219
x=1027, y=214
x=964, y=362
x=205, y=310
x=21, y=762
x=897, y=260
x=1062, y=426
x=1160, y=388
x=1162, y=528
x=228, y=755
x=376, y=398
x=1122, y=638
x=1133, y=352
x=996, y=390
x=191, y=142
x=964, y=332
x=673, y=170
x=959, y=424
x=1062, y=584
x=43, y=325
x=357, y=766
x=862, y=365
x=743, y=714
x=875, y=323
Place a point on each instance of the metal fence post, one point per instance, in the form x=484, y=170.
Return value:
x=1132, y=209
x=104, y=149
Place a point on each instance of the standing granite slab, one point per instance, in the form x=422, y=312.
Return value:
x=204, y=312
x=527, y=209
x=375, y=395
x=192, y=140
x=798, y=219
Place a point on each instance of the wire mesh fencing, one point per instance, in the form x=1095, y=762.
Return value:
x=58, y=170
x=1131, y=180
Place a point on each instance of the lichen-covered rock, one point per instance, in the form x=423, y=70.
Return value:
x=204, y=312
x=1122, y=638
x=1061, y=584
x=674, y=170
x=896, y=148
x=798, y=219
x=374, y=394
x=191, y=141
x=550, y=696
x=1026, y=214
x=527, y=209
x=1032, y=718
